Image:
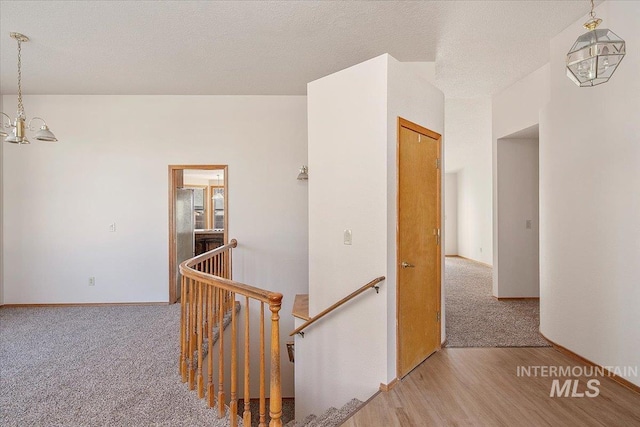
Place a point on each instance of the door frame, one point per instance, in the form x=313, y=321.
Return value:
x=173, y=295
x=434, y=135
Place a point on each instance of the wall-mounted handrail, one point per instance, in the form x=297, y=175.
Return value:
x=209, y=299
x=371, y=284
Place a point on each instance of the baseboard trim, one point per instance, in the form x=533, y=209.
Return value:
x=623, y=382
x=444, y=343
x=516, y=298
x=472, y=260
x=388, y=387
x=81, y=304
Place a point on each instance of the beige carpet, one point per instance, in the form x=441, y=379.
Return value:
x=95, y=366
x=474, y=318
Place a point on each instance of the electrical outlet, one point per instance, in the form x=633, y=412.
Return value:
x=92, y=281
x=112, y=227
x=528, y=224
x=480, y=250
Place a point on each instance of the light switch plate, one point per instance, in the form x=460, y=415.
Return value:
x=347, y=237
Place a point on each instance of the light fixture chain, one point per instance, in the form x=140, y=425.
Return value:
x=592, y=13
x=20, y=106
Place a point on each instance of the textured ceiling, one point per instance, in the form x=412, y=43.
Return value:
x=266, y=47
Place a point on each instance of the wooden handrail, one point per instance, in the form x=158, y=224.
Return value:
x=209, y=303
x=186, y=267
x=349, y=297
x=204, y=256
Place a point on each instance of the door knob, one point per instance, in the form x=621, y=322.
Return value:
x=407, y=265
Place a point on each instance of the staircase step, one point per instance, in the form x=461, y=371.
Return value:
x=332, y=417
x=304, y=422
x=349, y=408
x=325, y=420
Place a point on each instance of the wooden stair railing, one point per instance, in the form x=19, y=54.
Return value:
x=371, y=284
x=208, y=299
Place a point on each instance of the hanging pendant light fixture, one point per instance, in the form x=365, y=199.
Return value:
x=218, y=193
x=19, y=125
x=595, y=55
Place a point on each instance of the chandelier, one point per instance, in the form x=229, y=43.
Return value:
x=595, y=55
x=19, y=125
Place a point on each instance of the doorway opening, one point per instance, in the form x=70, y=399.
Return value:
x=419, y=265
x=498, y=306
x=198, y=215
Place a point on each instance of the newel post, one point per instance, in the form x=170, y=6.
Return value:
x=275, y=395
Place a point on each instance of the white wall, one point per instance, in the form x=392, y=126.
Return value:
x=590, y=203
x=589, y=199
x=352, y=179
x=519, y=268
x=468, y=152
x=111, y=166
x=347, y=117
x=190, y=180
x=451, y=214
x=515, y=109
x=518, y=106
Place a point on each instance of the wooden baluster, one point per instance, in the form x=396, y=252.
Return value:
x=192, y=335
x=216, y=304
x=263, y=404
x=233, y=405
x=183, y=329
x=223, y=265
x=224, y=301
x=199, y=316
x=221, y=357
x=205, y=317
x=275, y=395
x=246, y=415
x=210, y=390
x=214, y=268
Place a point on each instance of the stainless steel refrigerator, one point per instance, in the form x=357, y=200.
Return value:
x=185, y=229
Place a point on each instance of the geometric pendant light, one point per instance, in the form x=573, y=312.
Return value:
x=595, y=56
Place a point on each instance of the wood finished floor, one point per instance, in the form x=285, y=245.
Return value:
x=480, y=387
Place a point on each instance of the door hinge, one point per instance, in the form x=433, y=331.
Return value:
x=436, y=232
x=438, y=316
x=437, y=163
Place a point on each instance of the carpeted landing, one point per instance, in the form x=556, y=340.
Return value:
x=474, y=318
x=95, y=366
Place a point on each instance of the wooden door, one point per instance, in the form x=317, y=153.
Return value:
x=418, y=245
